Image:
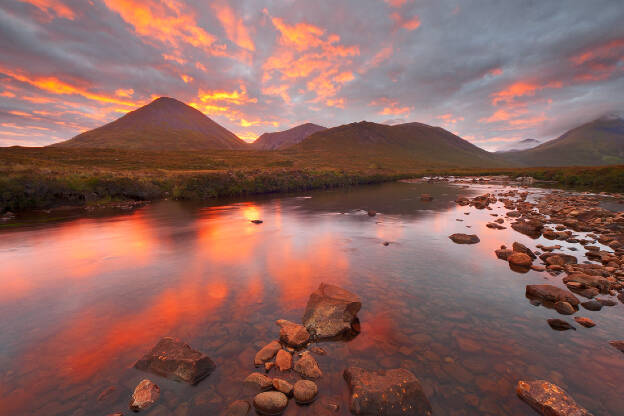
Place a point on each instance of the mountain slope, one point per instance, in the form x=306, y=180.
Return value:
x=163, y=124
x=600, y=142
x=521, y=145
x=402, y=145
x=283, y=139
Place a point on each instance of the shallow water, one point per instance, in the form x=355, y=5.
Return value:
x=82, y=300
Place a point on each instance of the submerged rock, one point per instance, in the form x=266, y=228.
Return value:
x=560, y=325
x=592, y=305
x=548, y=399
x=394, y=392
x=283, y=360
x=145, y=394
x=617, y=344
x=283, y=386
x=270, y=403
x=258, y=381
x=564, y=308
x=332, y=312
x=460, y=238
x=257, y=221
x=305, y=391
x=238, y=408
x=426, y=197
x=520, y=260
x=176, y=360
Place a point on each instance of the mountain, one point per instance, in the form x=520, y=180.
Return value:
x=412, y=145
x=600, y=142
x=163, y=124
x=282, y=139
x=521, y=145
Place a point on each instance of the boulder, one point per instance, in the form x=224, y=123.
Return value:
x=393, y=392
x=503, y=253
x=331, y=312
x=305, y=391
x=550, y=293
x=267, y=353
x=558, y=258
x=532, y=228
x=270, y=403
x=460, y=238
x=176, y=360
x=238, y=408
x=145, y=394
x=592, y=305
x=548, y=399
x=307, y=366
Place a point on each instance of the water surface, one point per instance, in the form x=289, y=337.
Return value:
x=82, y=300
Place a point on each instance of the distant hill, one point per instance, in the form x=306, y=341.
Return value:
x=600, y=142
x=163, y=124
x=412, y=145
x=521, y=145
x=283, y=139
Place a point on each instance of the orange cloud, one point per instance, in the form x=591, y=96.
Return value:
x=396, y=3
x=599, y=62
x=234, y=26
x=52, y=8
x=186, y=78
x=124, y=93
x=59, y=87
x=168, y=21
x=234, y=97
x=495, y=71
x=449, y=118
x=409, y=24
x=390, y=107
x=521, y=89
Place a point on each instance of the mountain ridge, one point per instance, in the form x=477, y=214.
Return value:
x=282, y=139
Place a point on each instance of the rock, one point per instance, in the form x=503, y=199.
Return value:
x=107, y=394
x=537, y=268
x=561, y=258
x=426, y=197
x=145, y=394
x=587, y=280
x=305, y=391
x=238, y=408
x=283, y=360
x=176, y=360
x=460, y=238
x=267, y=353
x=283, y=386
x=564, y=308
x=592, y=305
x=390, y=393
x=548, y=399
x=317, y=350
x=586, y=322
x=259, y=381
x=521, y=248
x=617, y=344
x=257, y=221
x=532, y=228
x=606, y=302
x=503, y=253
x=371, y=213
x=494, y=226
x=550, y=293
x=520, y=260
x=331, y=312
x=307, y=366
x=292, y=334
x=560, y=325
x=270, y=403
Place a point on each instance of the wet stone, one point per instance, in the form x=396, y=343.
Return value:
x=282, y=386
x=548, y=399
x=560, y=325
x=259, y=381
x=461, y=238
x=564, y=308
x=176, y=360
x=592, y=305
x=283, y=360
x=270, y=403
x=292, y=334
x=331, y=312
x=145, y=394
x=617, y=344
x=238, y=408
x=586, y=322
x=267, y=353
x=305, y=391
x=307, y=366
x=393, y=392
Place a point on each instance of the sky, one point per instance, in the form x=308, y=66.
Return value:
x=493, y=72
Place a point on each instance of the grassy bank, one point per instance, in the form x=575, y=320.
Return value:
x=42, y=178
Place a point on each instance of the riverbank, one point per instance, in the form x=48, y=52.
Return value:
x=48, y=178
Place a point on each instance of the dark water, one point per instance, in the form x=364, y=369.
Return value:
x=82, y=300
